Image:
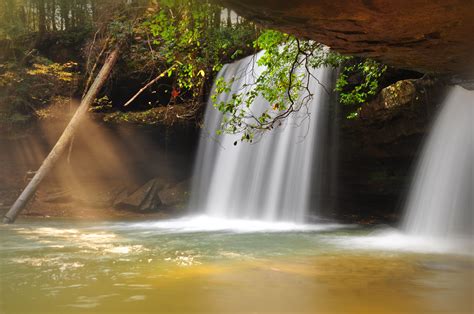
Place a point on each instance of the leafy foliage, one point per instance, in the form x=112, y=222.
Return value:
x=63, y=72
x=370, y=71
x=24, y=91
x=286, y=61
x=189, y=40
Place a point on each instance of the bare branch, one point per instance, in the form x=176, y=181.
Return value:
x=161, y=75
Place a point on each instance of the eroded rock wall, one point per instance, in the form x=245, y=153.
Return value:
x=423, y=35
x=378, y=151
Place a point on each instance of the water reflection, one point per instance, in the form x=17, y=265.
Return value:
x=103, y=267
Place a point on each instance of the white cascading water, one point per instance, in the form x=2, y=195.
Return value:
x=439, y=213
x=440, y=203
x=270, y=179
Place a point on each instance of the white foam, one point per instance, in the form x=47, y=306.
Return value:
x=395, y=240
x=203, y=223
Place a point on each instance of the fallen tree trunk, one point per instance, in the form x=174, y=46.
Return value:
x=63, y=141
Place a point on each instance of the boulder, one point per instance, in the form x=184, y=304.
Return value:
x=120, y=198
x=145, y=198
x=175, y=195
x=389, y=101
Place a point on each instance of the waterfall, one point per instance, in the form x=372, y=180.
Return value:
x=440, y=202
x=272, y=178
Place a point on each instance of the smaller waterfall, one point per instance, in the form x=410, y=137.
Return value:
x=269, y=180
x=440, y=203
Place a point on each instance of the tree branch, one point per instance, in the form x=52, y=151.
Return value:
x=161, y=75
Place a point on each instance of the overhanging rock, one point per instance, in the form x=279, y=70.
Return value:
x=422, y=35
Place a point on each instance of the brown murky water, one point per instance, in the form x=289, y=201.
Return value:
x=66, y=267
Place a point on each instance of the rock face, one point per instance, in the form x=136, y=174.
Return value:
x=155, y=195
x=175, y=195
x=422, y=35
x=389, y=101
x=145, y=198
x=377, y=152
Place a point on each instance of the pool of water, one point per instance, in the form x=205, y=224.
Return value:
x=219, y=266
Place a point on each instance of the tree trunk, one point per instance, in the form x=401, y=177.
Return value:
x=217, y=17
x=53, y=16
x=63, y=141
x=41, y=18
x=64, y=8
x=229, y=18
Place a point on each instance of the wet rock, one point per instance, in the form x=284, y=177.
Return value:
x=145, y=198
x=376, y=151
x=175, y=195
x=391, y=98
x=120, y=197
x=465, y=82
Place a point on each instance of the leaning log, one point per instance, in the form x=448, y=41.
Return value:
x=63, y=141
